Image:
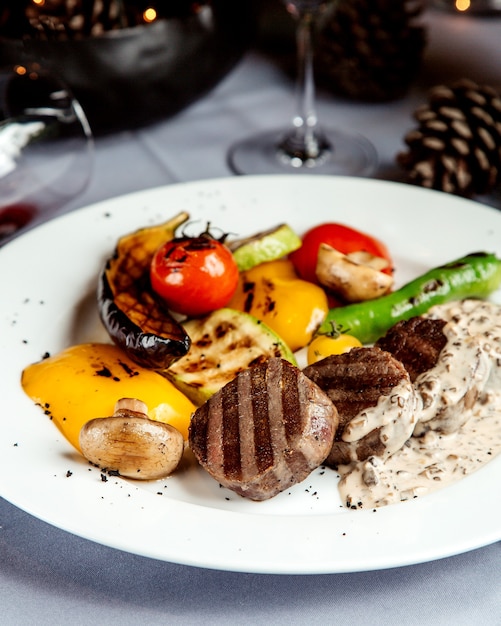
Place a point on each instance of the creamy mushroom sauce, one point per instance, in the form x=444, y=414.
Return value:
x=394, y=415
x=435, y=459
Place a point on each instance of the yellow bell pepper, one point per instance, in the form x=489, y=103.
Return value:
x=85, y=381
x=292, y=307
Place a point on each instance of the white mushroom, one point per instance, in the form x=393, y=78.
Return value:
x=355, y=277
x=131, y=444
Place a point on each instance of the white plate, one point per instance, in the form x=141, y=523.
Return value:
x=48, y=279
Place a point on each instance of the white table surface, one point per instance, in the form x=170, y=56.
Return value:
x=48, y=576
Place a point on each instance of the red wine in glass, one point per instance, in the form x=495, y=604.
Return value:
x=46, y=147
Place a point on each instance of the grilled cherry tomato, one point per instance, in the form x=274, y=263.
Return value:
x=194, y=275
x=326, y=344
x=343, y=238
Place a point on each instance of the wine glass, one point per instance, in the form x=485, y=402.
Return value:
x=305, y=147
x=46, y=147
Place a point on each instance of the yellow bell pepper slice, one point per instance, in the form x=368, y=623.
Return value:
x=292, y=307
x=84, y=382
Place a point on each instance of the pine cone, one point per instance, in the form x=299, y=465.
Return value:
x=58, y=20
x=457, y=145
x=371, y=49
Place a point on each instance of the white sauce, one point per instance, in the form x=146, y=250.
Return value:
x=472, y=436
x=394, y=415
x=449, y=391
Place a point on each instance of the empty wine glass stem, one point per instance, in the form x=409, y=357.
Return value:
x=304, y=144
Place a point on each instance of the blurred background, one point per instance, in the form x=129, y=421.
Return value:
x=128, y=62
x=132, y=62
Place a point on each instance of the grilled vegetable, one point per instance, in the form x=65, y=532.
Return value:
x=194, y=275
x=86, y=380
x=292, y=307
x=134, y=317
x=268, y=245
x=131, y=444
x=354, y=277
x=333, y=342
x=223, y=344
x=338, y=236
x=473, y=276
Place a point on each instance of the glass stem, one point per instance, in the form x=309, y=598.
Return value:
x=304, y=142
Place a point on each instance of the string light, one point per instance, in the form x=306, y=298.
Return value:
x=39, y=3
x=463, y=5
x=149, y=15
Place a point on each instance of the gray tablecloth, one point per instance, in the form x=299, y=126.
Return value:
x=48, y=576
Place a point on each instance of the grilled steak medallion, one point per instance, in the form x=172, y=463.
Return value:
x=264, y=431
x=417, y=343
x=375, y=399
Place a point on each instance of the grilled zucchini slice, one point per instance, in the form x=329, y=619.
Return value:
x=268, y=245
x=223, y=344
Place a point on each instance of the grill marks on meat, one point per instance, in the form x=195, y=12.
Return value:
x=264, y=431
x=417, y=343
x=356, y=379
x=258, y=431
x=375, y=399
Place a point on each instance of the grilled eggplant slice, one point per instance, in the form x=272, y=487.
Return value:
x=223, y=344
x=134, y=317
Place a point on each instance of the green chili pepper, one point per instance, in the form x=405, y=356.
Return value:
x=473, y=276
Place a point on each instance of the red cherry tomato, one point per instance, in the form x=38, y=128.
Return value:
x=194, y=275
x=343, y=238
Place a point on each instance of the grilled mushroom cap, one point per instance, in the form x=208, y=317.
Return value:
x=131, y=444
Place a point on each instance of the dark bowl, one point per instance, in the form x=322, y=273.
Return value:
x=134, y=76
